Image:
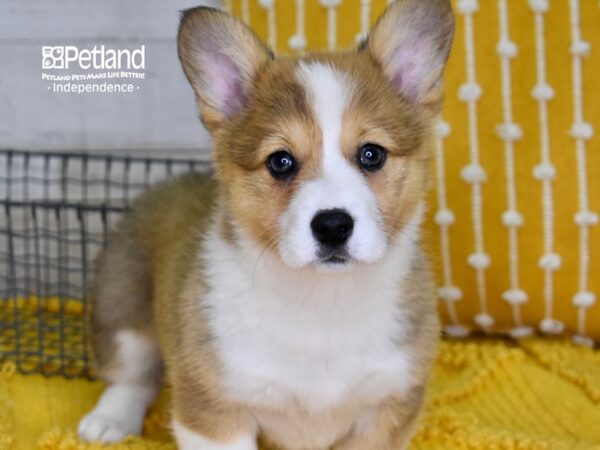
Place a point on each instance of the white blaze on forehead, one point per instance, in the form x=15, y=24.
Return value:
x=328, y=95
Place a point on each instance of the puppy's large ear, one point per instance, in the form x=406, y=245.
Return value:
x=411, y=42
x=220, y=57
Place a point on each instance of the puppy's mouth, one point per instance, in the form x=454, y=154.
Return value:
x=333, y=260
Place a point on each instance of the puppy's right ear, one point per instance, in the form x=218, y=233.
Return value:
x=220, y=57
x=411, y=41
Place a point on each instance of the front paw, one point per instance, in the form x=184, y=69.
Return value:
x=106, y=429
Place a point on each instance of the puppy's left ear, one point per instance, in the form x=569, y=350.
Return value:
x=411, y=42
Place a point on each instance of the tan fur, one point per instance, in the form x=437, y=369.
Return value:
x=150, y=278
x=277, y=118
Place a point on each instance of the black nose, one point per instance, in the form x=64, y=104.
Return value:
x=332, y=227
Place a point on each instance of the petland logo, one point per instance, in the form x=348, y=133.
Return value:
x=71, y=70
x=98, y=58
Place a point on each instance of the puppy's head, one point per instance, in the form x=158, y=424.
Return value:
x=322, y=158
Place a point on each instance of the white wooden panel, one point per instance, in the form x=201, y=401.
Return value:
x=30, y=20
x=161, y=115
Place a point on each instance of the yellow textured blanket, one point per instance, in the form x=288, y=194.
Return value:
x=485, y=394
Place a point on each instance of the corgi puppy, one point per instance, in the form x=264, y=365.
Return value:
x=286, y=300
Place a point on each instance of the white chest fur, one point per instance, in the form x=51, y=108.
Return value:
x=297, y=345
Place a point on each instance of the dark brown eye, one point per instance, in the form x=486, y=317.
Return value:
x=371, y=157
x=281, y=165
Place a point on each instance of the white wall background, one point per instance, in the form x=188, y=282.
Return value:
x=160, y=116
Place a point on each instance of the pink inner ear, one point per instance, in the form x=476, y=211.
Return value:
x=225, y=85
x=408, y=66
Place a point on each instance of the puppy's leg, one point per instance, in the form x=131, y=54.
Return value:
x=126, y=354
x=390, y=427
x=204, y=421
x=132, y=386
x=190, y=440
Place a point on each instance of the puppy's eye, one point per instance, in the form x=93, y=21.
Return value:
x=281, y=165
x=371, y=157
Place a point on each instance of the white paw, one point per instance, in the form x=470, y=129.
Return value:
x=104, y=428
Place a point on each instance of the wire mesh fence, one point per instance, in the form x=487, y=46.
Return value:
x=57, y=210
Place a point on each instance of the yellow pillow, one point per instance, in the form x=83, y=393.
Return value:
x=517, y=185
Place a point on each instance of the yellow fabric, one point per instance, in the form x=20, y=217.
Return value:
x=529, y=191
x=485, y=394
